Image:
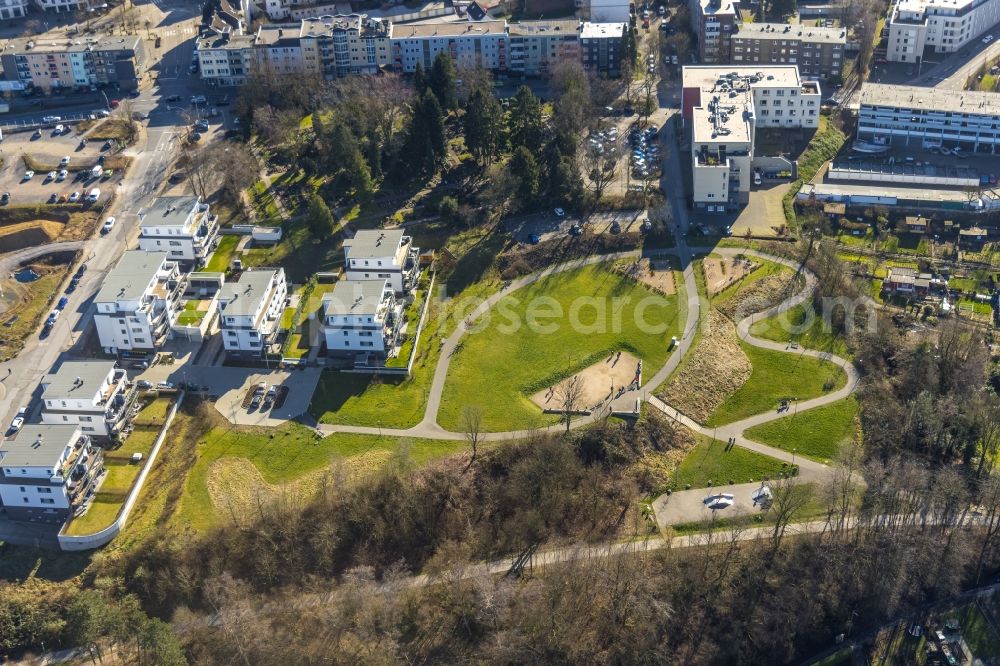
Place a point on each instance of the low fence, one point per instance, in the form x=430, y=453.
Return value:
x=97, y=539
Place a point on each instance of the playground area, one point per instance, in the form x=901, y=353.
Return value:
x=658, y=275
x=721, y=272
x=601, y=382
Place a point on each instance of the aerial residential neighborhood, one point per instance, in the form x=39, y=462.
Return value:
x=500, y=332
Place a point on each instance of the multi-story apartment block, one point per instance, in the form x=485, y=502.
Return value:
x=344, y=45
x=278, y=50
x=817, y=52
x=181, y=226
x=724, y=107
x=714, y=22
x=382, y=254
x=137, y=304
x=361, y=316
x=944, y=26
x=601, y=46
x=537, y=45
x=605, y=11
x=470, y=44
x=46, y=472
x=226, y=59
x=13, y=9
x=929, y=118
x=94, y=395
x=90, y=61
x=59, y=6
x=250, y=311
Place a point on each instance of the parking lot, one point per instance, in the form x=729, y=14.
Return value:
x=46, y=153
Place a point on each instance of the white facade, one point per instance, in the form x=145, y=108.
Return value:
x=250, y=310
x=180, y=226
x=94, y=395
x=724, y=106
x=379, y=254
x=470, y=44
x=137, y=303
x=45, y=471
x=12, y=9
x=361, y=317
x=945, y=26
x=59, y=6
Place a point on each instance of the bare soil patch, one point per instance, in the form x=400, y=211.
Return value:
x=601, y=380
x=716, y=369
x=28, y=234
x=29, y=226
x=657, y=275
x=725, y=271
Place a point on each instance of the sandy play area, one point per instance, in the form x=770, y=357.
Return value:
x=723, y=272
x=657, y=275
x=617, y=370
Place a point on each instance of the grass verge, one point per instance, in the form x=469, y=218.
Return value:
x=711, y=463
x=816, y=433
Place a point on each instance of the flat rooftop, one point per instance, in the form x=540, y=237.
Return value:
x=76, y=379
x=707, y=77
x=924, y=5
x=355, y=297
x=169, y=211
x=278, y=35
x=131, y=276
x=37, y=445
x=372, y=243
x=225, y=41
x=243, y=298
x=601, y=30
x=66, y=45
x=930, y=99
x=544, y=28
x=918, y=192
x=717, y=7
x=425, y=30
x=786, y=31
x=725, y=123
x=325, y=25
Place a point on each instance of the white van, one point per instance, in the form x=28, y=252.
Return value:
x=94, y=195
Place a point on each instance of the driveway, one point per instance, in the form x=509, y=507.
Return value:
x=232, y=384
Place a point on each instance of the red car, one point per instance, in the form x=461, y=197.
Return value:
x=115, y=103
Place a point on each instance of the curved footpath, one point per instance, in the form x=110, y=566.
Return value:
x=14, y=259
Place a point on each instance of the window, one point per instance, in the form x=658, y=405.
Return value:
x=47, y=491
x=46, y=501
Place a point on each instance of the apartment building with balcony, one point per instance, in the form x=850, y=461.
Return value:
x=723, y=107
x=71, y=63
x=943, y=26
x=226, y=59
x=929, y=118
x=13, y=9
x=714, y=22
x=535, y=46
x=382, y=254
x=469, y=43
x=601, y=47
x=344, y=45
x=250, y=311
x=278, y=51
x=46, y=472
x=181, y=226
x=817, y=52
x=138, y=302
x=361, y=317
x=94, y=395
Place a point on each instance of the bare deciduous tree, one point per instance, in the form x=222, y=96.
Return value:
x=570, y=394
x=472, y=423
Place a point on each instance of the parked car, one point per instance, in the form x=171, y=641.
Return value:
x=166, y=385
x=173, y=98
x=64, y=161
x=575, y=230
x=29, y=174
x=559, y=212
x=5, y=198
x=52, y=318
x=75, y=197
x=756, y=178
x=94, y=195
x=62, y=303
x=61, y=176
x=201, y=125
x=16, y=424
x=59, y=129
x=143, y=385
x=53, y=198
x=51, y=119
x=198, y=99
x=616, y=228
x=37, y=134
x=109, y=224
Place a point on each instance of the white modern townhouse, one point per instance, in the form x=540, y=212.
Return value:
x=382, y=254
x=361, y=316
x=250, y=311
x=138, y=302
x=46, y=472
x=724, y=106
x=182, y=227
x=95, y=395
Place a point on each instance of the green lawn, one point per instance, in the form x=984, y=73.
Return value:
x=412, y=316
x=802, y=324
x=816, y=433
x=285, y=454
x=518, y=353
x=191, y=315
x=223, y=255
x=777, y=375
x=976, y=631
x=710, y=464
x=298, y=346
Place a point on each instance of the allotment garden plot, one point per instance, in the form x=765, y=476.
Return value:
x=549, y=330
